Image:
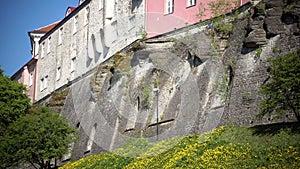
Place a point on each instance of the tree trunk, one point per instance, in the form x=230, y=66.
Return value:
x=298, y=117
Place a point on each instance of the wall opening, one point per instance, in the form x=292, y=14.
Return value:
x=91, y=139
x=138, y=103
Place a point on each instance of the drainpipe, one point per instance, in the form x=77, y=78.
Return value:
x=34, y=81
x=145, y=15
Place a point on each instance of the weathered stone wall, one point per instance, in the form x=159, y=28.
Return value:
x=188, y=66
x=272, y=29
x=120, y=101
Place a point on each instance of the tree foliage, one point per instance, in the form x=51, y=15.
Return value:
x=36, y=138
x=13, y=101
x=217, y=7
x=282, y=91
x=221, y=7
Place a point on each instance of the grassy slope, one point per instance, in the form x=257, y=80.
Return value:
x=271, y=146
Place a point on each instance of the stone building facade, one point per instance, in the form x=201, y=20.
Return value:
x=26, y=75
x=86, y=37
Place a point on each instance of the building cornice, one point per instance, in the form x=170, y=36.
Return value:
x=31, y=61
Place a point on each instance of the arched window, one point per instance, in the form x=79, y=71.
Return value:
x=87, y=15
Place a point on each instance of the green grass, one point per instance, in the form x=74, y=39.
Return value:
x=266, y=146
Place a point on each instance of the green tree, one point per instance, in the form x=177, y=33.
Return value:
x=37, y=138
x=282, y=91
x=13, y=101
x=221, y=7
x=217, y=7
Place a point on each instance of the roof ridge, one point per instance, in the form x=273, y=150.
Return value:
x=47, y=26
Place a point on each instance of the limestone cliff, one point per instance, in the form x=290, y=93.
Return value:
x=207, y=76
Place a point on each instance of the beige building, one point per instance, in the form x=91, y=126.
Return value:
x=86, y=37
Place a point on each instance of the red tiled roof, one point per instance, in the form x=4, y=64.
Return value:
x=46, y=28
x=71, y=10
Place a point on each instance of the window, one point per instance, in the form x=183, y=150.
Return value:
x=135, y=4
x=100, y=4
x=68, y=11
x=57, y=73
x=87, y=15
x=43, y=50
x=75, y=27
x=31, y=79
x=46, y=82
x=42, y=84
x=191, y=3
x=132, y=22
x=73, y=66
x=169, y=6
x=109, y=9
x=49, y=45
x=60, y=32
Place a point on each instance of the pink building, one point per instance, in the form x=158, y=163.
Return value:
x=166, y=15
x=26, y=76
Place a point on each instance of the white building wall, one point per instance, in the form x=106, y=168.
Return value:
x=93, y=43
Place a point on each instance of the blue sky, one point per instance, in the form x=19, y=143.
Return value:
x=17, y=18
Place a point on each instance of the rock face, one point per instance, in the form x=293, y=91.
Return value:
x=120, y=99
x=204, y=81
x=279, y=27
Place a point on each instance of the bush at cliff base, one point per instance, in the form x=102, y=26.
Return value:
x=230, y=147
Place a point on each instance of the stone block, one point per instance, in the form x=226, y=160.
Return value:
x=274, y=25
x=255, y=38
x=274, y=3
x=257, y=24
x=276, y=11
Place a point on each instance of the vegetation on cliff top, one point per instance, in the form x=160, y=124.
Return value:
x=271, y=146
x=282, y=90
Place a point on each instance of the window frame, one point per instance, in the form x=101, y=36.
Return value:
x=169, y=7
x=58, y=73
x=45, y=82
x=60, y=34
x=191, y=3
x=86, y=15
x=75, y=24
x=73, y=64
x=49, y=45
x=73, y=67
x=43, y=50
x=101, y=4
x=42, y=84
x=30, y=79
x=132, y=22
